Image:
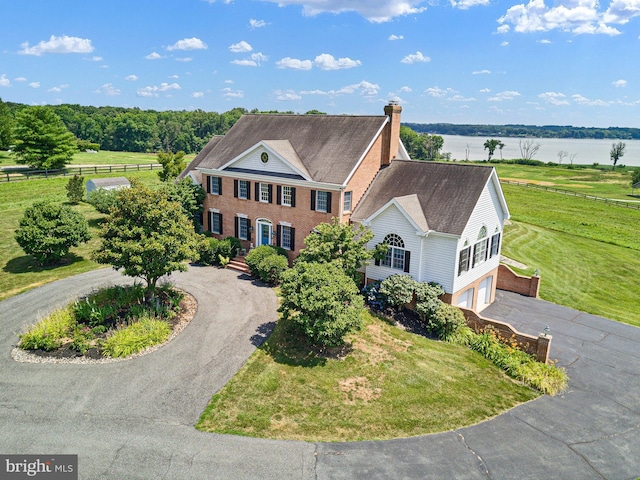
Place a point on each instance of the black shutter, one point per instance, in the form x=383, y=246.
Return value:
x=376, y=262
x=279, y=236
x=210, y=221
x=248, y=229
x=328, y=202
x=293, y=239
x=257, y=192
x=235, y=189
x=293, y=196
x=219, y=180
x=270, y=187
x=313, y=199
x=473, y=262
x=407, y=260
x=208, y=184
x=236, y=227
x=278, y=195
x=220, y=218
x=248, y=190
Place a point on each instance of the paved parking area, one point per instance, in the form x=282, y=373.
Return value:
x=134, y=419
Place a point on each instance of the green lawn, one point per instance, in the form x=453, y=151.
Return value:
x=588, y=180
x=392, y=384
x=20, y=272
x=102, y=157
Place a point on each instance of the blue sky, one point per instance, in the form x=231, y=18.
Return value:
x=563, y=62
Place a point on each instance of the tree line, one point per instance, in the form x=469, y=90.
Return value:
x=545, y=131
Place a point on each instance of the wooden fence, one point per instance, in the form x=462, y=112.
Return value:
x=27, y=174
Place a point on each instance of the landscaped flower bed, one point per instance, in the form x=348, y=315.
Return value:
x=113, y=322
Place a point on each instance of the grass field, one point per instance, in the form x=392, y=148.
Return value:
x=591, y=181
x=102, y=157
x=20, y=272
x=392, y=384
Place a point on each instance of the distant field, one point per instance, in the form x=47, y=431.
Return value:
x=591, y=181
x=101, y=158
x=19, y=272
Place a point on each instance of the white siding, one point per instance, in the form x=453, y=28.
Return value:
x=440, y=260
x=488, y=213
x=393, y=221
x=253, y=162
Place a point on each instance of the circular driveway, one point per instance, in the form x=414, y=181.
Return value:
x=134, y=419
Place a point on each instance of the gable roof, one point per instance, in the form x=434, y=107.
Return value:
x=447, y=193
x=109, y=182
x=328, y=146
x=196, y=161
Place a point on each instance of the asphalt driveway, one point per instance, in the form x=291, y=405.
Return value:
x=134, y=419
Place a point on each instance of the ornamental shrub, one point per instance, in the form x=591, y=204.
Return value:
x=446, y=321
x=136, y=337
x=398, y=289
x=271, y=268
x=48, y=334
x=427, y=302
x=75, y=189
x=103, y=200
x=208, y=250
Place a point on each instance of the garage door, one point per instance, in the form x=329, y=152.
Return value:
x=484, y=293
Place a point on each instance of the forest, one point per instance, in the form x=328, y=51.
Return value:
x=545, y=131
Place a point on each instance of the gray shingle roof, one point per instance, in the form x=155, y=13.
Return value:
x=329, y=146
x=109, y=182
x=447, y=192
x=196, y=161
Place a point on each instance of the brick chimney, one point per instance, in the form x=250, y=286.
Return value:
x=391, y=134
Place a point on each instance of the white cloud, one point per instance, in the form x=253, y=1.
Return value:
x=174, y=76
x=240, y=47
x=184, y=59
x=63, y=44
x=396, y=37
x=108, y=89
x=460, y=98
x=253, y=23
x=576, y=16
x=406, y=89
x=439, y=92
x=254, y=61
x=375, y=11
x=58, y=89
x=230, y=82
x=287, y=95
x=506, y=95
x=364, y=88
x=554, y=98
x=152, y=91
x=188, y=44
x=294, y=63
x=153, y=56
x=326, y=61
x=466, y=4
x=4, y=81
x=481, y=72
x=197, y=94
x=544, y=41
x=93, y=59
x=589, y=103
x=485, y=90
x=619, y=83
x=20, y=79
x=131, y=78
x=415, y=57
x=229, y=93
x=34, y=84
x=504, y=44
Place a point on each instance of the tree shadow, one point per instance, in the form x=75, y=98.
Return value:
x=96, y=222
x=262, y=333
x=287, y=345
x=28, y=264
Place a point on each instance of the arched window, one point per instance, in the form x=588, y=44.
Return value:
x=482, y=233
x=397, y=257
x=481, y=247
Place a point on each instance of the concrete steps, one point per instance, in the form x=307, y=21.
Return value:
x=238, y=264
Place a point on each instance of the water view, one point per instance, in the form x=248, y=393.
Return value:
x=586, y=151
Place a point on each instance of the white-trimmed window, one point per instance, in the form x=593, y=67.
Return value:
x=243, y=189
x=286, y=195
x=347, y=201
x=243, y=228
x=215, y=185
x=286, y=237
x=480, y=249
x=264, y=192
x=464, y=261
x=215, y=222
x=495, y=245
x=321, y=201
x=397, y=257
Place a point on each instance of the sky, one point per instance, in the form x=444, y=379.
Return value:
x=539, y=62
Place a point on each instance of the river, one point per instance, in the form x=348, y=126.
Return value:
x=587, y=151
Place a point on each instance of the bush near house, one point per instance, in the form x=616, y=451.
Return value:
x=212, y=251
x=267, y=263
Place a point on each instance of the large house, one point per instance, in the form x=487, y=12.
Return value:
x=272, y=178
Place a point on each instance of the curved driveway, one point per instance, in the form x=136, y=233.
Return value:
x=134, y=419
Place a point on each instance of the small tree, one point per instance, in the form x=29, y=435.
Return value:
x=75, y=189
x=561, y=155
x=635, y=176
x=190, y=195
x=146, y=235
x=172, y=165
x=42, y=140
x=103, y=200
x=491, y=145
x=323, y=301
x=48, y=231
x=340, y=243
x=528, y=149
x=617, y=151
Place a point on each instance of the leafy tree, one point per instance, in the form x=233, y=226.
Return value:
x=322, y=301
x=339, y=243
x=42, y=140
x=491, y=145
x=6, y=126
x=102, y=199
x=146, y=235
x=617, y=151
x=190, y=196
x=47, y=231
x=421, y=146
x=172, y=165
x=635, y=176
x=75, y=189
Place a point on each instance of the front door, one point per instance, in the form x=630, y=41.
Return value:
x=265, y=231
